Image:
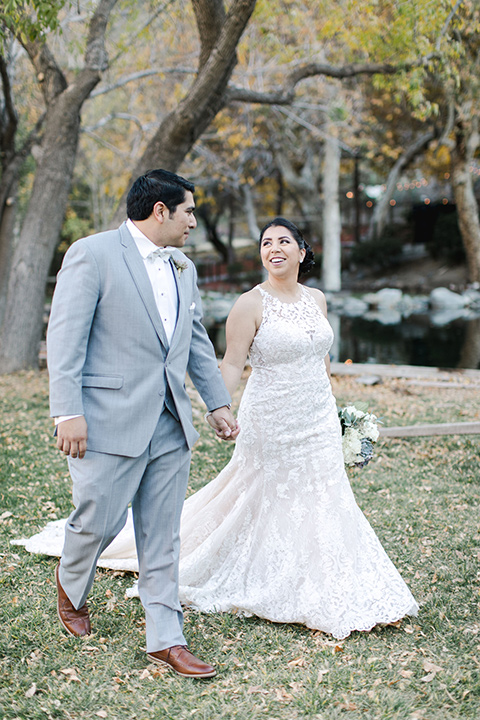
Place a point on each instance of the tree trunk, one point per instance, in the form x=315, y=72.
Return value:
x=303, y=186
x=382, y=207
x=22, y=323
x=331, y=259
x=7, y=237
x=470, y=353
x=181, y=128
x=463, y=191
x=249, y=208
x=213, y=236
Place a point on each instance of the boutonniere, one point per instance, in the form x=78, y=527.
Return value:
x=181, y=266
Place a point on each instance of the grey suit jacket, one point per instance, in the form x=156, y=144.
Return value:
x=107, y=353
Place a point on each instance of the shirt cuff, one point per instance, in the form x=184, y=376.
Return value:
x=61, y=418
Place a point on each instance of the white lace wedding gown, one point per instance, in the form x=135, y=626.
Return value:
x=278, y=533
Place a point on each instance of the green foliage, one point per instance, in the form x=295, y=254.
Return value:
x=383, y=252
x=29, y=18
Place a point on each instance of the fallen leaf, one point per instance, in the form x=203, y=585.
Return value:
x=102, y=713
x=282, y=695
x=144, y=674
x=428, y=678
x=320, y=675
x=71, y=674
x=395, y=624
x=347, y=706
x=296, y=686
x=297, y=662
x=406, y=673
x=31, y=691
x=254, y=689
x=431, y=667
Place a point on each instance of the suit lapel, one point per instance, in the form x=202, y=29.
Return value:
x=137, y=270
x=181, y=303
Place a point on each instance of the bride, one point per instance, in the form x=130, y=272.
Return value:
x=277, y=533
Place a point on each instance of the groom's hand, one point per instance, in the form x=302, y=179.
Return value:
x=224, y=423
x=72, y=437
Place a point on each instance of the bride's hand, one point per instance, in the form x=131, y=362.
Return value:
x=224, y=423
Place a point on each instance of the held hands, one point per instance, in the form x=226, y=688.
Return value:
x=72, y=437
x=224, y=423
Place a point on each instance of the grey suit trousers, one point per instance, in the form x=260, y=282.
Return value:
x=155, y=484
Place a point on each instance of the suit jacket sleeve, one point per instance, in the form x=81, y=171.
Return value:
x=73, y=309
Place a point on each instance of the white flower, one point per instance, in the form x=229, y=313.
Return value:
x=352, y=446
x=181, y=266
x=370, y=430
x=354, y=412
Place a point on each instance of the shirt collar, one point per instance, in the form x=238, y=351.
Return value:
x=144, y=245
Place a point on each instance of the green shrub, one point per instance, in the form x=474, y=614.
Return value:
x=382, y=252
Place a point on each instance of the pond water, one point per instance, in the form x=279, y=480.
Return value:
x=415, y=340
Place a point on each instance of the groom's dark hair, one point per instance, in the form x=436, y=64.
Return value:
x=156, y=186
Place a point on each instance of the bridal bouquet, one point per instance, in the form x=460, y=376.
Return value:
x=359, y=432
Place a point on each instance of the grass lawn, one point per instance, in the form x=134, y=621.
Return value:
x=420, y=495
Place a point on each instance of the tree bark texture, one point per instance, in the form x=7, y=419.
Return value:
x=470, y=353
x=463, y=191
x=22, y=323
x=331, y=258
x=249, y=208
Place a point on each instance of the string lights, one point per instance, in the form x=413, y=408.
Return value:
x=413, y=185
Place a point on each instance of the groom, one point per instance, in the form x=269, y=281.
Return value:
x=124, y=329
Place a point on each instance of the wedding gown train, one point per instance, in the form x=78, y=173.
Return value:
x=277, y=533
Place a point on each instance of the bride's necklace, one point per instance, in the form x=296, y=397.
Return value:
x=283, y=297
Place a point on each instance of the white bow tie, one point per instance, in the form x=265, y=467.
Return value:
x=163, y=253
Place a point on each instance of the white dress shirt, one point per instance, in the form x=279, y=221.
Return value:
x=160, y=273
x=162, y=280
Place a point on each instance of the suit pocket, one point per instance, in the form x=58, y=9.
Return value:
x=110, y=382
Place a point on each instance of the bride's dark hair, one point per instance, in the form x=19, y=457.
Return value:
x=309, y=260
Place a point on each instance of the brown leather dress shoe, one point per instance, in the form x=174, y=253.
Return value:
x=75, y=622
x=180, y=659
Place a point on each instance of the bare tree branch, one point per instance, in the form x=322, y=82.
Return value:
x=138, y=76
x=285, y=95
x=96, y=58
x=379, y=216
x=447, y=23
x=143, y=27
x=180, y=129
x=316, y=131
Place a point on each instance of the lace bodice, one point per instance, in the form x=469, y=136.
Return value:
x=296, y=333
x=289, y=378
